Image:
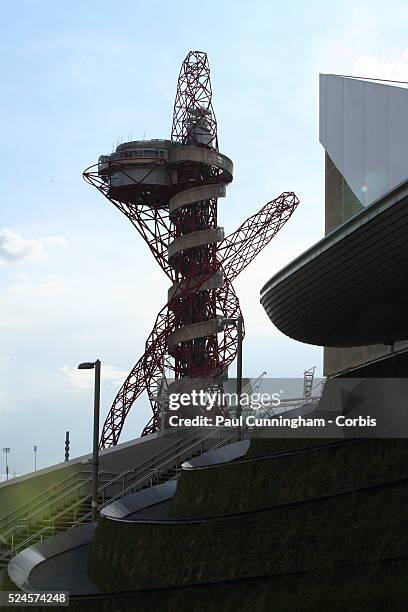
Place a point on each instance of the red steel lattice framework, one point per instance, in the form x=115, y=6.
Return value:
x=169, y=191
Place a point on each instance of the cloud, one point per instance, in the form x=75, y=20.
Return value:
x=4, y=403
x=54, y=242
x=392, y=66
x=15, y=248
x=80, y=380
x=359, y=49
x=51, y=286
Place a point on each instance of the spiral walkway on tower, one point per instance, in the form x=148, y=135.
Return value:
x=169, y=190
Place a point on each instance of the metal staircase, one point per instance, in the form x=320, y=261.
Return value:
x=69, y=503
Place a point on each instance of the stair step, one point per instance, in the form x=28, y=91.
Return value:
x=69, y=517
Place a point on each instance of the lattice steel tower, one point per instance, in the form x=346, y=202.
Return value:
x=169, y=190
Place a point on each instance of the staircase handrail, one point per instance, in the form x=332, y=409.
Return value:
x=185, y=447
x=153, y=471
x=43, y=493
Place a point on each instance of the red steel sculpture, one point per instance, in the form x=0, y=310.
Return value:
x=169, y=190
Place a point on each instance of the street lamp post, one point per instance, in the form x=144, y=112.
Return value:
x=89, y=365
x=67, y=443
x=6, y=451
x=35, y=457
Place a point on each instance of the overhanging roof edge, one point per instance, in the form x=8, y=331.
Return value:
x=360, y=218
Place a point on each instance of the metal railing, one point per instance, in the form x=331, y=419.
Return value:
x=146, y=474
x=37, y=536
x=21, y=510
x=25, y=522
x=154, y=476
x=151, y=473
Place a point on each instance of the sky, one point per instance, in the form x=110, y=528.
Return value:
x=76, y=282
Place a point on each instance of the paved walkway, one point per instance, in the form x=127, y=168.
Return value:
x=69, y=570
x=65, y=572
x=158, y=511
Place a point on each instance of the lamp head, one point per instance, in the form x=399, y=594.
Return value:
x=86, y=365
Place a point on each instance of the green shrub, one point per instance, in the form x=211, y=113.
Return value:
x=359, y=527
x=245, y=486
x=266, y=446
x=371, y=587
